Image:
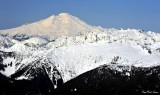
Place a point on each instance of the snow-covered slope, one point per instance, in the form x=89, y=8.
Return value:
x=74, y=47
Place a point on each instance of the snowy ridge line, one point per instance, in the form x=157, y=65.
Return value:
x=107, y=36
x=29, y=50
x=75, y=47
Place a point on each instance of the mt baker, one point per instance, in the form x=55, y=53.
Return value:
x=64, y=55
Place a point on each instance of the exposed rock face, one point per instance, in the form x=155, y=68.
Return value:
x=5, y=56
x=39, y=77
x=32, y=70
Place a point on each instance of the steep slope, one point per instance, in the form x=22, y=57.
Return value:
x=55, y=26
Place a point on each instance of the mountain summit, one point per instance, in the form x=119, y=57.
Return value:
x=63, y=24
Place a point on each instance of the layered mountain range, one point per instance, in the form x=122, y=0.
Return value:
x=62, y=48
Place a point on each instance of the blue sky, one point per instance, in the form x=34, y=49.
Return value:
x=138, y=14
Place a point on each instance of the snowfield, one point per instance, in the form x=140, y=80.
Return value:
x=75, y=47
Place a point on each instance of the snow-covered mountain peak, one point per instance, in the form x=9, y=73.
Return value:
x=63, y=24
x=64, y=15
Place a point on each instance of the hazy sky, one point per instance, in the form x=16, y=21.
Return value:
x=139, y=14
